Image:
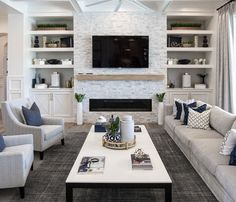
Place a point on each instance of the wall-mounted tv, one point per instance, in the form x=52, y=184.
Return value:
x=120, y=51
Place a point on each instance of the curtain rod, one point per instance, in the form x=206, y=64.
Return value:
x=225, y=4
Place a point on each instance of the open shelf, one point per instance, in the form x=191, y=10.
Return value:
x=182, y=49
x=190, y=32
x=191, y=66
x=51, y=32
x=51, y=49
x=52, y=66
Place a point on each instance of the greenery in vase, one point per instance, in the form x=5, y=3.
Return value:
x=79, y=97
x=160, y=97
x=113, y=126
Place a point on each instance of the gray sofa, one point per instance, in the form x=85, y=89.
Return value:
x=201, y=147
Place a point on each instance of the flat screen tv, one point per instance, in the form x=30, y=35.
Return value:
x=120, y=51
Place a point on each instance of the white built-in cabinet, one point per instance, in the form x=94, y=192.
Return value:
x=54, y=103
x=175, y=71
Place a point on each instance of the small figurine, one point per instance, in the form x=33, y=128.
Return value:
x=205, y=42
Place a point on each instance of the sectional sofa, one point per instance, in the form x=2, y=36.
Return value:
x=202, y=147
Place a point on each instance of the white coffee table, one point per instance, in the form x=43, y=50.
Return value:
x=118, y=170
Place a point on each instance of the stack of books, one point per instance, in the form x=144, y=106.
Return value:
x=143, y=163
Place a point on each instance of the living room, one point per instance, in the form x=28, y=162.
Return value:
x=143, y=88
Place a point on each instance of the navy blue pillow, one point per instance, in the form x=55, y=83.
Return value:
x=2, y=143
x=199, y=109
x=32, y=115
x=232, y=160
x=178, y=110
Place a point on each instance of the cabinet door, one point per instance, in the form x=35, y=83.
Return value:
x=62, y=104
x=203, y=96
x=43, y=100
x=177, y=95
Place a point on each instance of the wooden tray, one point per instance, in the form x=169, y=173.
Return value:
x=118, y=145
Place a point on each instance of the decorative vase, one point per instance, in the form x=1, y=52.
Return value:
x=127, y=129
x=160, y=113
x=79, y=113
x=112, y=137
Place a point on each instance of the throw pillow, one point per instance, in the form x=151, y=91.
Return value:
x=228, y=143
x=2, y=143
x=232, y=160
x=179, y=107
x=32, y=115
x=199, y=109
x=199, y=120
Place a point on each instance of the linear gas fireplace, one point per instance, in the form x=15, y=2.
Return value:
x=120, y=105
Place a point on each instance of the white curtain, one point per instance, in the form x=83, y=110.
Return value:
x=225, y=78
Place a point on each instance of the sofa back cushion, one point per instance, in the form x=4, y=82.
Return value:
x=221, y=120
x=16, y=106
x=234, y=125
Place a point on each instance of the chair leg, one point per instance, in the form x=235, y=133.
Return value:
x=22, y=192
x=62, y=141
x=41, y=154
x=32, y=167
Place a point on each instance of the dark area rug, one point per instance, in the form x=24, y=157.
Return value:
x=47, y=182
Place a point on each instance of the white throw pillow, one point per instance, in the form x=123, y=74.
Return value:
x=228, y=143
x=199, y=120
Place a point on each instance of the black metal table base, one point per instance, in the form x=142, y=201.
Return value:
x=166, y=186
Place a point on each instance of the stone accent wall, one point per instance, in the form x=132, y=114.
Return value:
x=121, y=23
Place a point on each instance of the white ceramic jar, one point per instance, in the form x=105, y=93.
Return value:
x=127, y=128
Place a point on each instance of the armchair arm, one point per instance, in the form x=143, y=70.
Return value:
x=12, y=169
x=52, y=121
x=14, y=140
x=168, y=109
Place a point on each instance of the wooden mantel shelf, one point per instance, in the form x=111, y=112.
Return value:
x=120, y=77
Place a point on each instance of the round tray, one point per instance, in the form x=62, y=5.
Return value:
x=118, y=145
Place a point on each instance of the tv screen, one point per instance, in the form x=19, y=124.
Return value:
x=120, y=51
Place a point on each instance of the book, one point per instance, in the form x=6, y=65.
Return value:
x=143, y=163
x=92, y=164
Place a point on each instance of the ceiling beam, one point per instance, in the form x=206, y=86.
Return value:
x=139, y=4
x=96, y=3
x=75, y=5
x=165, y=5
x=118, y=6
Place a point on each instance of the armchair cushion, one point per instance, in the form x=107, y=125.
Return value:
x=50, y=131
x=32, y=115
x=2, y=143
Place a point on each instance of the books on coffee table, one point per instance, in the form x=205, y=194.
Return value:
x=92, y=164
x=143, y=163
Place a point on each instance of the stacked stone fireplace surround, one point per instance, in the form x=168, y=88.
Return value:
x=123, y=23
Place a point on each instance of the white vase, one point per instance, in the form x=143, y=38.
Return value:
x=79, y=113
x=127, y=129
x=160, y=114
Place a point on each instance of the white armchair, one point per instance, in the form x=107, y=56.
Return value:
x=15, y=161
x=44, y=136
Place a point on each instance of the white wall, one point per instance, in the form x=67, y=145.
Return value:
x=3, y=24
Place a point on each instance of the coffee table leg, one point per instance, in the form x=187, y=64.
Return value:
x=69, y=193
x=168, y=193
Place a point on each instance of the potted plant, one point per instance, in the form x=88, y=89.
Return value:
x=160, y=99
x=79, y=98
x=112, y=128
x=185, y=26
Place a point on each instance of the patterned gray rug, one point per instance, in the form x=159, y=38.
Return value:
x=47, y=182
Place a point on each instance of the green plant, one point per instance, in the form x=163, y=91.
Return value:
x=160, y=97
x=51, y=25
x=79, y=97
x=113, y=126
x=186, y=25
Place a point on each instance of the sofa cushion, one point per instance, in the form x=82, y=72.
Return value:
x=227, y=178
x=199, y=120
x=221, y=120
x=32, y=115
x=2, y=143
x=199, y=109
x=200, y=103
x=171, y=122
x=207, y=152
x=26, y=150
x=186, y=134
x=228, y=143
x=234, y=125
x=50, y=131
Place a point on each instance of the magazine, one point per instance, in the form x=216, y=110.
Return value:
x=143, y=163
x=92, y=164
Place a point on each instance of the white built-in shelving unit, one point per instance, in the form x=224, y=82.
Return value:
x=53, y=102
x=175, y=71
